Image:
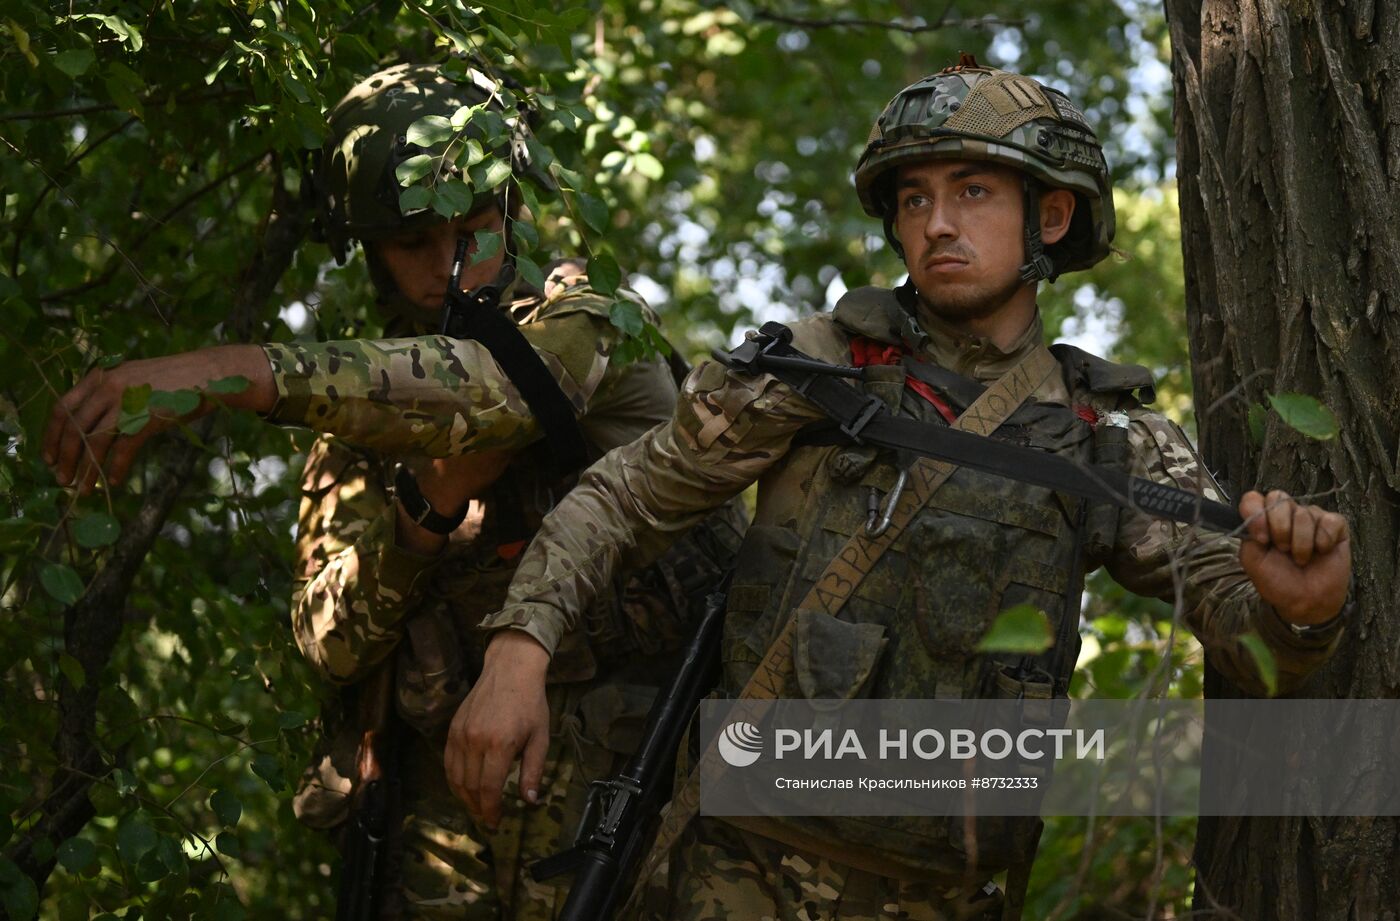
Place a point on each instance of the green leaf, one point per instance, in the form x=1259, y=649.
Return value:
x=134, y=415
x=220, y=903
x=18, y=533
x=504, y=40
x=471, y=154
x=17, y=892
x=77, y=854
x=540, y=155
x=96, y=530
x=72, y=670
x=61, y=582
x=565, y=177
x=648, y=166
x=1263, y=659
x=123, y=780
x=21, y=38
x=108, y=362
x=594, y=211
x=228, y=385
x=453, y=198
x=463, y=116
x=73, y=906
x=604, y=274
x=1258, y=416
x=129, y=34
x=131, y=423
x=227, y=807
x=135, y=837
x=491, y=125
x=497, y=172
x=525, y=234
x=488, y=244
x=1022, y=629
x=292, y=719
x=134, y=399
x=227, y=843
x=269, y=769
x=74, y=62
x=1305, y=414
x=529, y=271
x=414, y=168
x=174, y=402
x=414, y=198
x=151, y=867
x=429, y=131
x=627, y=316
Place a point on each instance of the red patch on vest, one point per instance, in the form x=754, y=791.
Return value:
x=1088, y=413
x=866, y=351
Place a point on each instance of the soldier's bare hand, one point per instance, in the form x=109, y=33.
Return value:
x=1297, y=556
x=505, y=714
x=82, y=438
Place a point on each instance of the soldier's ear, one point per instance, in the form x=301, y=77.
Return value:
x=1056, y=209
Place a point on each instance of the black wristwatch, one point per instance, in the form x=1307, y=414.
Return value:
x=418, y=509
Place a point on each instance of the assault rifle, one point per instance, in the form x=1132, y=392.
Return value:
x=364, y=871
x=619, y=820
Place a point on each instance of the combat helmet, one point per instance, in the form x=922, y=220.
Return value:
x=355, y=183
x=970, y=112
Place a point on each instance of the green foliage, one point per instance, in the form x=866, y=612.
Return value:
x=1305, y=414
x=1268, y=666
x=702, y=155
x=1023, y=629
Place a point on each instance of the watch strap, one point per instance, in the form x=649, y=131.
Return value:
x=417, y=507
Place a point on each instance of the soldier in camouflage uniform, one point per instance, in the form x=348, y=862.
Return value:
x=374, y=586
x=987, y=182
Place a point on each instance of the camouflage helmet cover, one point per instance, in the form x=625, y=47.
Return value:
x=968, y=112
x=356, y=182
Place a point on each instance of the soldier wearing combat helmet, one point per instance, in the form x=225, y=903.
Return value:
x=413, y=519
x=870, y=574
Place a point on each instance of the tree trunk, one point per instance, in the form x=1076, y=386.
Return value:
x=1288, y=145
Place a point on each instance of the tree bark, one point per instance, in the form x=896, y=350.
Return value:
x=1288, y=158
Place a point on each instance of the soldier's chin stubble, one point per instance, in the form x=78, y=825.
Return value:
x=973, y=304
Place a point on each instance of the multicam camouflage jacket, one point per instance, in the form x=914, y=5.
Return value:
x=732, y=429
x=358, y=594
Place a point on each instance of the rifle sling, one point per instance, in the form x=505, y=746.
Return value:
x=862, y=418
x=523, y=366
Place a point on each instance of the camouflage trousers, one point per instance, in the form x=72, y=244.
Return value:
x=452, y=867
x=719, y=872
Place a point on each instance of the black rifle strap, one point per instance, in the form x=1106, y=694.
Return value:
x=491, y=327
x=866, y=419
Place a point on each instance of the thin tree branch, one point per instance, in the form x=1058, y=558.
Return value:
x=50, y=184
x=220, y=93
x=110, y=271
x=845, y=22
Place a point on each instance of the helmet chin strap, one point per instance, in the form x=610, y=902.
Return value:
x=890, y=235
x=1038, y=265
